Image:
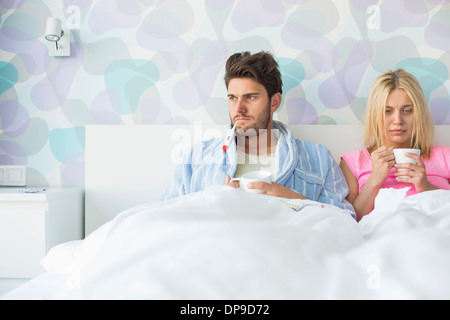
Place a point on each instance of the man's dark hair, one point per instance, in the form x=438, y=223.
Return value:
x=260, y=66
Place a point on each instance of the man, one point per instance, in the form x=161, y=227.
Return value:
x=301, y=169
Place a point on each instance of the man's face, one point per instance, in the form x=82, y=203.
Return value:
x=248, y=102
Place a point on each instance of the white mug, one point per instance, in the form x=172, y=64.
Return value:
x=400, y=157
x=254, y=176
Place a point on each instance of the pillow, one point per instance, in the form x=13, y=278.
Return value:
x=62, y=257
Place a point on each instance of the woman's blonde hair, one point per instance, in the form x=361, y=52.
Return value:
x=423, y=130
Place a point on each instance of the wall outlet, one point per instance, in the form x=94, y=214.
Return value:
x=13, y=176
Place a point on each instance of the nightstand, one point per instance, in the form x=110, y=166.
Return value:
x=32, y=223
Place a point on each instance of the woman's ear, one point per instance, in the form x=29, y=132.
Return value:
x=275, y=102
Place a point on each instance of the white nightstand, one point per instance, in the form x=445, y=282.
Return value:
x=31, y=224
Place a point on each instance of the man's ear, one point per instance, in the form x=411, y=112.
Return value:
x=275, y=102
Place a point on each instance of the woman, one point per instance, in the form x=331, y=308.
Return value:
x=397, y=116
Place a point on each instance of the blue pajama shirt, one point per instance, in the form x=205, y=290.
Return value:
x=305, y=167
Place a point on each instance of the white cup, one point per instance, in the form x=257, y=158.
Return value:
x=400, y=157
x=254, y=176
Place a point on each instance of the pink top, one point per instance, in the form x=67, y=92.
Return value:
x=437, y=168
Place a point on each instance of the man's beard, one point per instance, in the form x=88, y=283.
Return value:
x=260, y=125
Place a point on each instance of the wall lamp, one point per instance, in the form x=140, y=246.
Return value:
x=54, y=32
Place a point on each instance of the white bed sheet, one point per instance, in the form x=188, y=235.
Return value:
x=224, y=243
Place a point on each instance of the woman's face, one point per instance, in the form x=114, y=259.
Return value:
x=399, y=119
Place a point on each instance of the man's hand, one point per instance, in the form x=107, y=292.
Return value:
x=270, y=189
x=234, y=184
x=275, y=190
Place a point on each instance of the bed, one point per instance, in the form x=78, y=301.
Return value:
x=227, y=244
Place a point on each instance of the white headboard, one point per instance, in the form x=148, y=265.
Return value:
x=127, y=165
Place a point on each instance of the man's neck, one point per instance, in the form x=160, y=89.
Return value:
x=263, y=144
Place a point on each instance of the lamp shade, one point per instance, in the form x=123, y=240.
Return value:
x=53, y=29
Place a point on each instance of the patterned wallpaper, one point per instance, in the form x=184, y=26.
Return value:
x=162, y=62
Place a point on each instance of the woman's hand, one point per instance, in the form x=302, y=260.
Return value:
x=382, y=162
x=415, y=174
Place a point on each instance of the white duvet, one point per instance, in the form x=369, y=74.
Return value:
x=225, y=243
